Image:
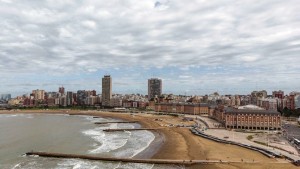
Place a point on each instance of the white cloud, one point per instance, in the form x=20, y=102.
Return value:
x=249, y=58
x=90, y=24
x=184, y=76
x=64, y=33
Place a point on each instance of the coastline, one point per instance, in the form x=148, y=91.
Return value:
x=147, y=153
x=153, y=148
x=179, y=143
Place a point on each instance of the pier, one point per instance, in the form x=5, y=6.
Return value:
x=185, y=162
x=107, y=122
x=113, y=130
x=129, y=160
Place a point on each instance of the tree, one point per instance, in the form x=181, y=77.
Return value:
x=286, y=112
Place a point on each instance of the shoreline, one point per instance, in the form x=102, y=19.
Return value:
x=153, y=147
x=180, y=144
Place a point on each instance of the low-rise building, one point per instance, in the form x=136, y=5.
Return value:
x=184, y=108
x=252, y=119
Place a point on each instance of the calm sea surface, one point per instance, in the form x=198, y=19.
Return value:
x=68, y=134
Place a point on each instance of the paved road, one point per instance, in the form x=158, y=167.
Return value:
x=292, y=131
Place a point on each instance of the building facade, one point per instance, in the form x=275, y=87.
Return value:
x=38, y=94
x=183, y=108
x=154, y=88
x=70, y=98
x=80, y=97
x=106, y=90
x=247, y=118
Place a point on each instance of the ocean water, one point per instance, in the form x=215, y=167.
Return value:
x=69, y=134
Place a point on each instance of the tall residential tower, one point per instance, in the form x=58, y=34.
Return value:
x=106, y=90
x=154, y=87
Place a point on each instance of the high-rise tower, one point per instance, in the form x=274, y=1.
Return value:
x=106, y=90
x=154, y=87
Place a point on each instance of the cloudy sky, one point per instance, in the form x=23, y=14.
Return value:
x=195, y=46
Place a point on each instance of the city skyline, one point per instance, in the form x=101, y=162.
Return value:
x=197, y=47
x=109, y=83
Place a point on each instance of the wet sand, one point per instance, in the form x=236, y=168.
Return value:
x=179, y=143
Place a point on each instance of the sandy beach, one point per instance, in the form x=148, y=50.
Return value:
x=179, y=143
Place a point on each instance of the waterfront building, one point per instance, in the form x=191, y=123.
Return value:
x=38, y=94
x=183, y=108
x=154, y=88
x=254, y=119
x=51, y=101
x=63, y=101
x=69, y=98
x=91, y=100
x=81, y=96
x=106, y=90
x=116, y=102
x=28, y=102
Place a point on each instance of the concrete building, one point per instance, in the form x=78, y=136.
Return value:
x=38, y=94
x=69, y=98
x=289, y=102
x=247, y=118
x=91, y=100
x=28, y=102
x=183, y=108
x=116, y=102
x=297, y=101
x=255, y=95
x=268, y=103
x=81, y=96
x=63, y=101
x=52, y=94
x=252, y=119
x=51, y=101
x=278, y=94
x=106, y=90
x=154, y=88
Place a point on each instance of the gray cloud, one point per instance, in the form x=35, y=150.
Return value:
x=86, y=36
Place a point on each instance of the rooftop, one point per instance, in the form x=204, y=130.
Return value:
x=229, y=110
